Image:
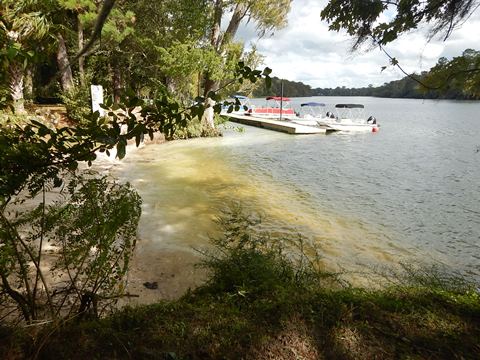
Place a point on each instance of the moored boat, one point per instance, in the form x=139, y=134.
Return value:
x=310, y=114
x=349, y=118
x=276, y=107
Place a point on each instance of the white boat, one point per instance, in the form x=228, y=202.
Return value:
x=276, y=107
x=242, y=101
x=349, y=118
x=310, y=114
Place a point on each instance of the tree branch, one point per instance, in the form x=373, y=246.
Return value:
x=395, y=63
x=428, y=87
x=97, y=31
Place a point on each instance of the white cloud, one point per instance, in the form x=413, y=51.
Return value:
x=306, y=51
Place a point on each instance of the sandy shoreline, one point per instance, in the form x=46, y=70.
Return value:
x=173, y=271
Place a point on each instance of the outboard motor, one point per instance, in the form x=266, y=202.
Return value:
x=371, y=120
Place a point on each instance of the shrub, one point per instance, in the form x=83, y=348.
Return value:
x=77, y=103
x=247, y=262
x=195, y=129
x=92, y=233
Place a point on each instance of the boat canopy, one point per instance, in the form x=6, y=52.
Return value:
x=278, y=98
x=349, y=106
x=312, y=104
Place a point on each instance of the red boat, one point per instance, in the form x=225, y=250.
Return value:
x=274, y=107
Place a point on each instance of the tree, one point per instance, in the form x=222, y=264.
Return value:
x=364, y=20
x=268, y=15
x=462, y=72
x=34, y=157
x=82, y=10
x=168, y=56
x=21, y=24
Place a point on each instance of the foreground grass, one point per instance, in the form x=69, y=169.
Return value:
x=263, y=304
x=283, y=321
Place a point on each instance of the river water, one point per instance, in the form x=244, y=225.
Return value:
x=409, y=193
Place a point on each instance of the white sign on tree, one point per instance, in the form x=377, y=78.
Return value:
x=97, y=98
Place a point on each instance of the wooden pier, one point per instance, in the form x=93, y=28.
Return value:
x=285, y=126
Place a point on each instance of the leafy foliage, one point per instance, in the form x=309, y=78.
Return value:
x=35, y=153
x=290, y=89
x=93, y=232
x=369, y=20
x=462, y=72
x=268, y=16
x=22, y=24
x=249, y=263
x=77, y=102
x=382, y=22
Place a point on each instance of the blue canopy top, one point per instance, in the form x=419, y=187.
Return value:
x=312, y=104
x=240, y=97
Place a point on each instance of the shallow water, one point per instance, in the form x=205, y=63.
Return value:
x=409, y=193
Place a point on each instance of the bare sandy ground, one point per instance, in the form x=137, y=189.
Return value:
x=174, y=272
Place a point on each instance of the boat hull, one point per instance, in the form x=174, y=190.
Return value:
x=354, y=128
x=346, y=125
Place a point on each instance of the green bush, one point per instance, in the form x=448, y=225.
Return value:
x=250, y=263
x=195, y=129
x=77, y=103
x=92, y=233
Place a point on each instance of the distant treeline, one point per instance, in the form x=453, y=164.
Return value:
x=404, y=88
x=290, y=88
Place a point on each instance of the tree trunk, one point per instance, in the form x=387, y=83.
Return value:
x=16, y=74
x=217, y=24
x=28, y=84
x=238, y=15
x=81, y=59
x=66, y=78
x=215, y=40
x=209, y=85
x=117, y=82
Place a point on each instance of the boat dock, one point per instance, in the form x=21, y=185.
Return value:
x=276, y=125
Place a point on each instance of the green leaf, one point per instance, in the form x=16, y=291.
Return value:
x=268, y=82
x=11, y=53
x=121, y=150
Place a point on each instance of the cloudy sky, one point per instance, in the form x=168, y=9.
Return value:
x=306, y=51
